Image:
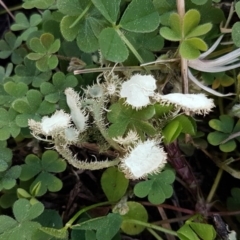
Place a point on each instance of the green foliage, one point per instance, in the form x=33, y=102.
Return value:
x=11, y=47
x=236, y=27
x=136, y=212
x=31, y=107
x=158, y=187
x=114, y=184
x=41, y=4
x=187, y=32
x=21, y=227
x=218, y=79
x=29, y=26
x=98, y=32
x=196, y=231
x=106, y=227
x=124, y=118
x=180, y=124
x=42, y=170
x=54, y=92
x=29, y=74
x=44, y=47
x=224, y=129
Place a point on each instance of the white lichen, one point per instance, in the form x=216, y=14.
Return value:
x=196, y=103
x=50, y=126
x=138, y=90
x=145, y=158
x=131, y=138
x=78, y=115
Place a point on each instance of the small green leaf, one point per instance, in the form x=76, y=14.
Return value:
x=7, y=223
x=136, y=212
x=187, y=123
x=110, y=225
x=112, y=46
x=186, y=233
x=16, y=89
x=215, y=138
x=145, y=19
x=191, y=20
x=171, y=131
x=108, y=8
x=72, y=8
x=69, y=33
x=158, y=188
x=114, y=184
x=228, y=146
x=204, y=231
x=24, y=211
x=225, y=124
x=189, y=48
x=174, y=32
x=124, y=117
x=236, y=33
x=40, y=4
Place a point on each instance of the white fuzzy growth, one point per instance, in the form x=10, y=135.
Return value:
x=71, y=135
x=73, y=102
x=197, y=103
x=144, y=159
x=131, y=138
x=235, y=111
x=138, y=89
x=50, y=125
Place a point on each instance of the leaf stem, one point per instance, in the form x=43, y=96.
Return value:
x=76, y=216
x=130, y=46
x=149, y=225
x=81, y=15
x=216, y=181
x=154, y=234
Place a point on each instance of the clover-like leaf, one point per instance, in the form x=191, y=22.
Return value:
x=174, y=31
x=5, y=158
x=43, y=169
x=106, y=227
x=40, y=4
x=54, y=91
x=29, y=26
x=5, y=72
x=124, y=118
x=73, y=25
x=10, y=47
x=114, y=184
x=137, y=212
x=72, y=8
x=29, y=74
x=8, y=177
x=108, y=8
x=22, y=228
x=44, y=48
x=146, y=44
x=112, y=46
x=190, y=48
x=187, y=31
x=8, y=198
x=31, y=107
x=8, y=126
x=158, y=187
x=225, y=127
x=145, y=19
